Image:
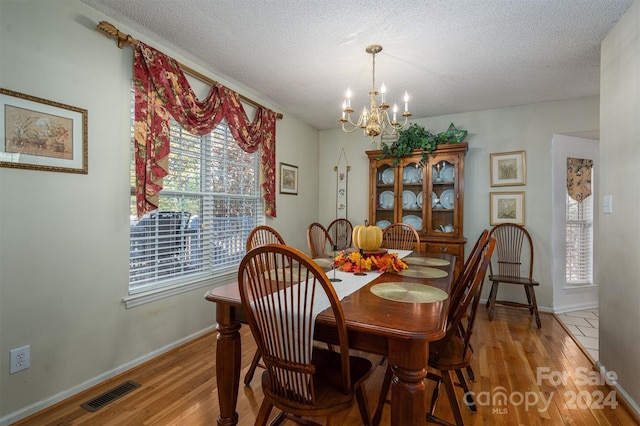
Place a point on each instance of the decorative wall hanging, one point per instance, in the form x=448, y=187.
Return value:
x=508, y=168
x=288, y=179
x=342, y=171
x=507, y=207
x=38, y=134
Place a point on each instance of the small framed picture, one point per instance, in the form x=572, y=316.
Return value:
x=508, y=168
x=39, y=134
x=288, y=179
x=507, y=207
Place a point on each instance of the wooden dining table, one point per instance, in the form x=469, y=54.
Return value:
x=399, y=330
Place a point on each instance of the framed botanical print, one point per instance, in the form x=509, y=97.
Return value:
x=288, y=179
x=508, y=168
x=507, y=207
x=39, y=134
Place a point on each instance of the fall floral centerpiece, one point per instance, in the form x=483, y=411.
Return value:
x=381, y=262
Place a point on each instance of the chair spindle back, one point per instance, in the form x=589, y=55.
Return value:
x=278, y=287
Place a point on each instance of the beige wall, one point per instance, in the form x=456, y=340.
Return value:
x=530, y=128
x=64, y=237
x=619, y=242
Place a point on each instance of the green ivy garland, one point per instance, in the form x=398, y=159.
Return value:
x=414, y=137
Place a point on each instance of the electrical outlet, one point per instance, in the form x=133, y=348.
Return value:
x=20, y=359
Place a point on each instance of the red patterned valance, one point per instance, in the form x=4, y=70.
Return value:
x=162, y=91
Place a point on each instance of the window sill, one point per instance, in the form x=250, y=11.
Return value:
x=578, y=287
x=142, y=298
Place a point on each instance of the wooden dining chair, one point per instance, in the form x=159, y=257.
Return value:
x=259, y=236
x=400, y=236
x=282, y=290
x=340, y=231
x=319, y=241
x=452, y=354
x=514, y=255
x=458, y=287
x=467, y=267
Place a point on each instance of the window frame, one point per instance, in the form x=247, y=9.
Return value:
x=582, y=238
x=248, y=199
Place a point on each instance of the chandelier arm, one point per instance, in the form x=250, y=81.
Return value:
x=347, y=119
x=386, y=124
x=349, y=130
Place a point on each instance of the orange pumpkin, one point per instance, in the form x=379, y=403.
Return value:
x=366, y=237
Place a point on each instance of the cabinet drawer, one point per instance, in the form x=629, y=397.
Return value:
x=452, y=249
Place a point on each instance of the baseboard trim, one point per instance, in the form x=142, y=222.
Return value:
x=45, y=403
x=576, y=307
x=629, y=403
x=626, y=399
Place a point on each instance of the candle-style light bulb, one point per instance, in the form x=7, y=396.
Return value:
x=348, y=100
x=383, y=93
x=406, y=101
x=344, y=107
x=395, y=111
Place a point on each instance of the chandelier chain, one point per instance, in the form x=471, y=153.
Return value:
x=373, y=77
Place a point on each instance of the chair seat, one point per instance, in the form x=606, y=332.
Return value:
x=512, y=280
x=327, y=382
x=450, y=357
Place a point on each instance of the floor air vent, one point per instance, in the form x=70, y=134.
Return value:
x=100, y=401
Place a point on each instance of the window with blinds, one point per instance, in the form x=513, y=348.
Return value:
x=208, y=206
x=579, y=241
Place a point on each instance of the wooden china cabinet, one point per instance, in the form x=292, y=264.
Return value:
x=429, y=197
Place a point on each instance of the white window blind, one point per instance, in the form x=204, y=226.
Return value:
x=208, y=206
x=579, y=241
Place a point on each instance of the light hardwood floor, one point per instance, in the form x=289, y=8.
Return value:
x=511, y=357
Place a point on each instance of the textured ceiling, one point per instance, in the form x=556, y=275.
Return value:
x=451, y=56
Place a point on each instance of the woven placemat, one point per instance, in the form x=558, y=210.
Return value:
x=426, y=261
x=408, y=292
x=284, y=273
x=423, y=272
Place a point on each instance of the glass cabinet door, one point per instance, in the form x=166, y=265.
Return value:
x=412, y=195
x=444, y=197
x=385, y=195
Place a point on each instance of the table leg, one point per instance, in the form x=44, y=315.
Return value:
x=227, y=365
x=408, y=360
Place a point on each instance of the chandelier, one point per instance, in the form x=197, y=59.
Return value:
x=375, y=121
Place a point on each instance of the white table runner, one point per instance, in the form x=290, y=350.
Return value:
x=350, y=282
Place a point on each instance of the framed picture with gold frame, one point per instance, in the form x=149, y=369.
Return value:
x=506, y=207
x=39, y=134
x=508, y=168
x=288, y=179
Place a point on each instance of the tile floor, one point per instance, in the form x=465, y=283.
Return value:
x=584, y=326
